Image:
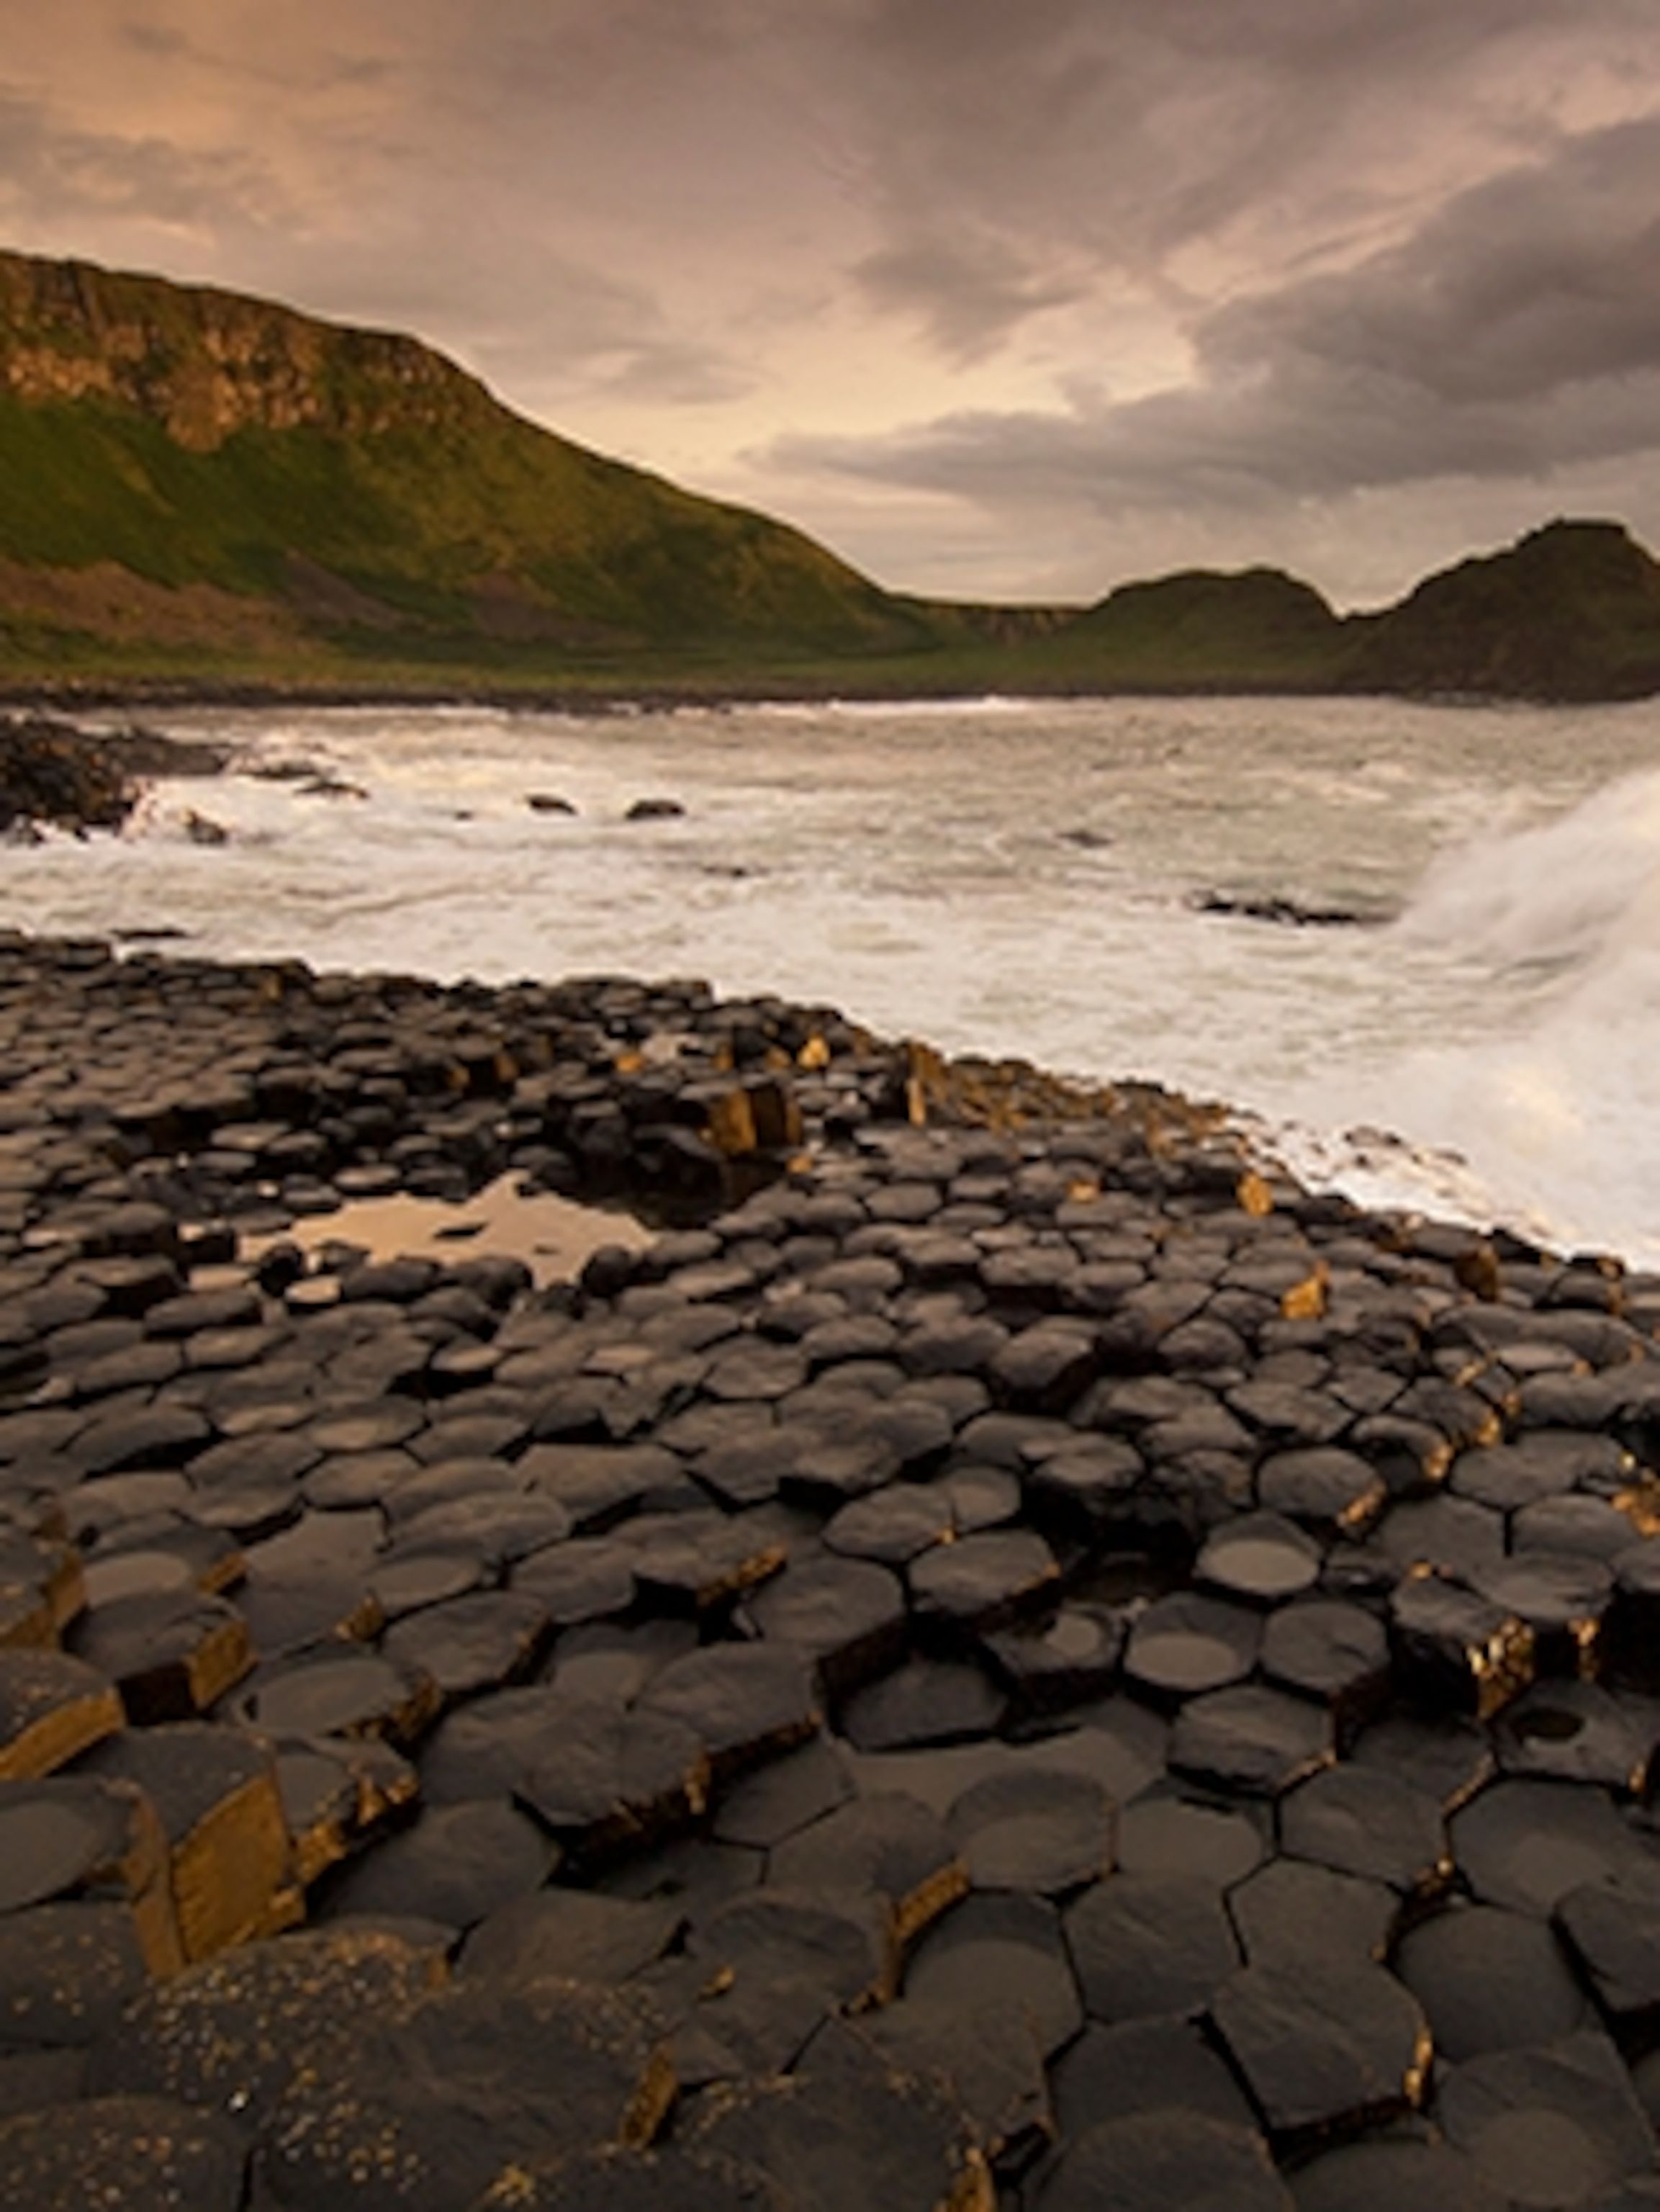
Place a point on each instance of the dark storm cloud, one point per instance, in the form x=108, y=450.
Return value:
x=1517, y=333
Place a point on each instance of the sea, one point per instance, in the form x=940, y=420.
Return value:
x=1416, y=948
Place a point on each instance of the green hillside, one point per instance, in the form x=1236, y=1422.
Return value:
x=1571, y=611
x=359, y=502
x=201, y=489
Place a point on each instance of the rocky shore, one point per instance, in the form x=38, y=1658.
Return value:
x=55, y=772
x=1007, y=1657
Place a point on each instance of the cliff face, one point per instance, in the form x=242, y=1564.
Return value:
x=204, y=364
x=286, y=496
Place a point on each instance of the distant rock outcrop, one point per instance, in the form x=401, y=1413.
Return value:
x=50, y=771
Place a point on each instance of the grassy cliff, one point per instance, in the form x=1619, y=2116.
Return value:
x=205, y=489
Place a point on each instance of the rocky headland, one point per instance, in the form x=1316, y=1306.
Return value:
x=1008, y=1656
x=54, y=772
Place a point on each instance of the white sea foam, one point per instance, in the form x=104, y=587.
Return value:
x=1014, y=878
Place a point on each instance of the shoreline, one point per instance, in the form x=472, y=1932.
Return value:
x=1007, y=1638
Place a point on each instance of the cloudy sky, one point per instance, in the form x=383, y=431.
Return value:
x=999, y=297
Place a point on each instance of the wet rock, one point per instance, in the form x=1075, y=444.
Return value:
x=1168, y=1833
x=1161, y=2160
x=570, y=1935
x=1259, y=1559
x=890, y=1845
x=1369, y=1824
x=1489, y=1980
x=1551, y=2126
x=1185, y=1645
x=1290, y=1909
x=1009, y=1944
x=926, y=1702
x=1322, y=2046
x=1253, y=1739
x=456, y=1865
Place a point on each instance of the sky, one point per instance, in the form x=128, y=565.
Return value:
x=1004, y=299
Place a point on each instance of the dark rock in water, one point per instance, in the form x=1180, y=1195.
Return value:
x=1163, y=2160
x=144, y=2153
x=1291, y=912
x=654, y=810
x=50, y=771
x=548, y=802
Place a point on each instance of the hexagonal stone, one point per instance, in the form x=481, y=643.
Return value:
x=337, y=1792
x=1083, y=1491
x=837, y=1942
x=1186, y=1646
x=846, y=1616
x=52, y=1706
x=1361, y=1822
x=1457, y=1650
x=172, y=1654
x=1072, y=1658
x=1489, y=1980
x=66, y=1973
x=898, y=2139
x=926, y=1702
x=1526, y=1845
x=475, y=2082
x=1331, y=1492
x=1336, y=1652
x=1382, y=2176
x=141, y=2153
x=1323, y=2043
x=215, y=1792
x=1141, y=2066
x=231, y=2033
x=1164, y=2160
x=1448, y=1757
x=341, y=1690
x=81, y=1837
x=1036, y=1829
x=892, y=1526
x=1613, y=1930
x=1149, y=1944
x=457, y=1864
x=585, y=1578
x=1291, y=1908
x=605, y=1776
x=746, y=1702
x=1261, y=1558
x=1008, y=1944
x=1554, y=2126
x=1561, y=1597
x=479, y=1642
x=1577, y=1732
x=1166, y=1832
x=762, y=1809
x=982, y=1581
x=1257, y=1740
x=890, y=1845
x=570, y=1935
